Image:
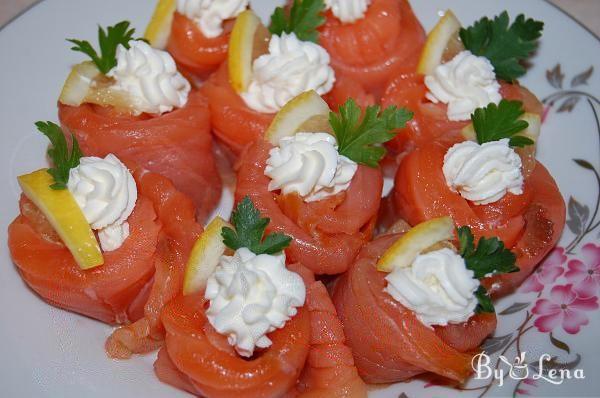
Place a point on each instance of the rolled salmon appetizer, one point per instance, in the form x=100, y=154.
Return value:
x=272, y=329
x=455, y=76
x=412, y=302
x=314, y=183
x=136, y=105
x=195, y=33
x=492, y=183
x=372, y=41
x=89, y=235
x=266, y=68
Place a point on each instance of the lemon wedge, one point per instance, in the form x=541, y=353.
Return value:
x=159, y=29
x=306, y=112
x=421, y=237
x=249, y=39
x=65, y=215
x=442, y=44
x=204, y=257
x=85, y=84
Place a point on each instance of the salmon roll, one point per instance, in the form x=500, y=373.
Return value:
x=372, y=41
x=135, y=104
x=195, y=33
x=265, y=69
x=459, y=71
x=276, y=334
x=412, y=302
x=491, y=183
x=314, y=184
x=89, y=234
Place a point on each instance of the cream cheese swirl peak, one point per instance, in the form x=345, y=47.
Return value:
x=483, y=173
x=210, y=14
x=465, y=83
x=150, y=77
x=437, y=287
x=106, y=192
x=290, y=68
x=250, y=296
x=348, y=11
x=309, y=164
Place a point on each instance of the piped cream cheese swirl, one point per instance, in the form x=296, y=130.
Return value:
x=150, y=77
x=290, y=68
x=465, y=83
x=348, y=11
x=210, y=14
x=483, y=173
x=438, y=288
x=106, y=192
x=252, y=295
x=309, y=164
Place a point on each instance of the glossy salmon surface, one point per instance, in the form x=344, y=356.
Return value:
x=177, y=144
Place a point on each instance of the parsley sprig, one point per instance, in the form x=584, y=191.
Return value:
x=359, y=139
x=108, y=41
x=506, y=46
x=303, y=19
x=488, y=258
x=249, y=231
x=62, y=160
x=495, y=122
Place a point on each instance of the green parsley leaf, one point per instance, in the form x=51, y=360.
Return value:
x=495, y=122
x=490, y=257
x=360, y=140
x=249, y=231
x=505, y=46
x=59, y=153
x=485, y=302
x=108, y=40
x=303, y=19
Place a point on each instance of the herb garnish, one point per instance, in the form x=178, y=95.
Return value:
x=359, y=139
x=490, y=257
x=495, y=122
x=304, y=17
x=249, y=231
x=108, y=40
x=505, y=46
x=59, y=153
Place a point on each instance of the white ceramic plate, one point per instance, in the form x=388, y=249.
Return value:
x=46, y=352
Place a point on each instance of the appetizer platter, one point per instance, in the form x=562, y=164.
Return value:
x=303, y=198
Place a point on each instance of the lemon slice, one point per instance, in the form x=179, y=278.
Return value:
x=204, y=257
x=65, y=215
x=532, y=131
x=159, y=29
x=404, y=251
x=442, y=44
x=85, y=84
x=306, y=112
x=249, y=39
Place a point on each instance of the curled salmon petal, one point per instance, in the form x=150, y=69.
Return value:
x=389, y=343
x=327, y=234
x=179, y=232
x=372, y=50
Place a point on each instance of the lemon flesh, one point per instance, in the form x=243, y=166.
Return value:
x=205, y=256
x=306, y=112
x=159, y=29
x=65, y=215
x=86, y=84
x=404, y=251
x=249, y=39
x=442, y=43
